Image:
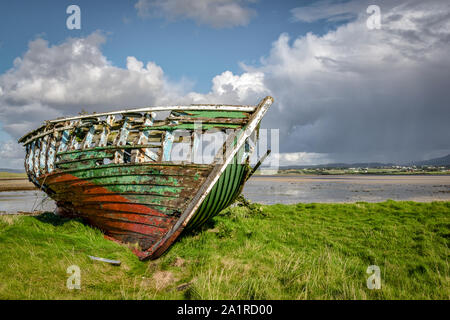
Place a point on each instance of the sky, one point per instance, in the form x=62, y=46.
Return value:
x=348, y=87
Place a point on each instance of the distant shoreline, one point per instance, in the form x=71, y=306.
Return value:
x=349, y=174
x=360, y=178
x=23, y=184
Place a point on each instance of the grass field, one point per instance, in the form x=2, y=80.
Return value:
x=303, y=251
x=12, y=175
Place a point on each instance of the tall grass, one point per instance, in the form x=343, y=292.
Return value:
x=303, y=251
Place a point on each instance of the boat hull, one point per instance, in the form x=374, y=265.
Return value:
x=121, y=171
x=131, y=203
x=139, y=204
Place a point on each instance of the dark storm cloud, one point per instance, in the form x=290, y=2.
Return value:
x=366, y=95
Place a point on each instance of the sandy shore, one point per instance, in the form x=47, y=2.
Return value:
x=16, y=184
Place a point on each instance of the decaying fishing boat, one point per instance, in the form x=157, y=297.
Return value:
x=122, y=171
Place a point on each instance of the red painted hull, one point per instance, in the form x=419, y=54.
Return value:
x=120, y=216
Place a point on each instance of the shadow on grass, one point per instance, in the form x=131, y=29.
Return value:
x=51, y=218
x=209, y=224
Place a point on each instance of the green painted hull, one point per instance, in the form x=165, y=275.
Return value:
x=225, y=190
x=141, y=203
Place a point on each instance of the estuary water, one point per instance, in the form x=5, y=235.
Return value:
x=346, y=188
x=293, y=189
x=25, y=201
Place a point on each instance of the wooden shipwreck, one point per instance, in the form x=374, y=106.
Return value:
x=117, y=170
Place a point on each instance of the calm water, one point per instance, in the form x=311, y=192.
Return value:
x=293, y=189
x=27, y=201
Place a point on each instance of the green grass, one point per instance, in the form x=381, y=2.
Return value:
x=303, y=251
x=12, y=175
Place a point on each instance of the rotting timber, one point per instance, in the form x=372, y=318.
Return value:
x=118, y=170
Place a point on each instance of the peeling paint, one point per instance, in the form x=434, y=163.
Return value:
x=115, y=169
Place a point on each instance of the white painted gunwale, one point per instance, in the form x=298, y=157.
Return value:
x=192, y=107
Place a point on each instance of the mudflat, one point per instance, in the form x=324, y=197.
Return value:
x=289, y=189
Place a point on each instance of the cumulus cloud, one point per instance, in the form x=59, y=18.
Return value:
x=246, y=88
x=51, y=81
x=216, y=13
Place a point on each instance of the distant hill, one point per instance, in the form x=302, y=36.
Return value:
x=341, y=165
x=443, y=161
